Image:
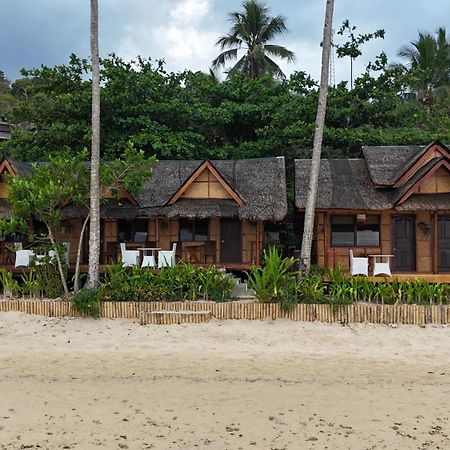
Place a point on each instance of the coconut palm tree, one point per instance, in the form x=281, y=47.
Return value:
x=94, y=226
x=252, y=31
x=428, y=64
x=305, y=254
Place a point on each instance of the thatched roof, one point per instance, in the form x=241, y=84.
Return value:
x=343, y=184
x=21, y=168
x=111, y=209
x=426, y=202
x=367, y=184
x=260, y=183
x=387, y=164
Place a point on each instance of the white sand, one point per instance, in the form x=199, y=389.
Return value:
x=82, y=384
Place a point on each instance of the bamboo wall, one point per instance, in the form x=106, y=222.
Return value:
x=354, y=313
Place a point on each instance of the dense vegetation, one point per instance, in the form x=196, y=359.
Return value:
x=194, y=116
x=274, y=282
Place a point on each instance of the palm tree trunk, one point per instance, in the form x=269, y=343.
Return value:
x=305, y=254
x=94, y=229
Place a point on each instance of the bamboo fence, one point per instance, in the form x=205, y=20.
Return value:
x=173, y=312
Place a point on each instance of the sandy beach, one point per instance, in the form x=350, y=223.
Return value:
x=83, y=383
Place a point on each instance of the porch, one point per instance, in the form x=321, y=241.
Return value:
x=419, y=241
x=229, y=243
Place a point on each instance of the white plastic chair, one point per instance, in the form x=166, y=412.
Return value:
x=382, y=267
x=358, y=266
x=167, y=257
x=129, y=257
x=148, y=261
x=23, y=258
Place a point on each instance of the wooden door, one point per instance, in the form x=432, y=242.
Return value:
x=404, y=243
x=443, y=243
x=230, y=241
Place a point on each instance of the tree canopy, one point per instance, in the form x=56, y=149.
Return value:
x=191, y=115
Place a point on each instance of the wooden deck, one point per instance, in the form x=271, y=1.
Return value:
x=430, y=277
x=238, y=267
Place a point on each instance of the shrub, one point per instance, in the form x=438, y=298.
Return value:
x=269, y=281
x=87, y=301
x=179, y=283
x=9, y=285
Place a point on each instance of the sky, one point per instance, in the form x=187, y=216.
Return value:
x=183, y=32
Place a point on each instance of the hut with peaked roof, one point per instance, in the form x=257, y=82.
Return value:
x=215, y=211
x=393, y=201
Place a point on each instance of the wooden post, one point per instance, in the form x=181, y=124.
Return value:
x=435, y=243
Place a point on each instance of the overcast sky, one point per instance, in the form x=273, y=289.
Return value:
x=183, y=32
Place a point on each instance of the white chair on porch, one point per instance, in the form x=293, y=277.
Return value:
x=167, y=257
x=359, y=265
x=129, y=257
x=23, y=258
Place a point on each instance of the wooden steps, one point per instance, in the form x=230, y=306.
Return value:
x=174, y=317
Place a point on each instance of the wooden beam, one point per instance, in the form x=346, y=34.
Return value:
x=410, y=191
x=435, y=243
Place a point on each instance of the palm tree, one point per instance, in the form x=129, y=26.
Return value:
x=305, y=254
x=252, y=30
x=94, y=226
x=428, y=64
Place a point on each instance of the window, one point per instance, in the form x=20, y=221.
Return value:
x=132, y=230
x=194, y=230
x=355, y=231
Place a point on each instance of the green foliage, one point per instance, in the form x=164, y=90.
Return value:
x=29, y=283
x=333, y=286
x=9, y=285
x=47, y=277
x=86, y=301
x=183, y=282
x=274, y=277
x=192, y=116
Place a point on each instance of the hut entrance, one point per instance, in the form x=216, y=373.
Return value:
x=404, y=243
x=443, y=242
x=231, y=241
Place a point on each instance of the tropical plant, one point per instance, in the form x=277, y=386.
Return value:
x=29, y=283
x=351, y=48
x=183, y=282
x=9, y=284
x=87, y=301
x=252, y=30
x=273, y=278
x=428, y=63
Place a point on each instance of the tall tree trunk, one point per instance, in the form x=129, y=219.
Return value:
x=94, y=228
x=76, y=278
x=58, y=260
x=305, y=255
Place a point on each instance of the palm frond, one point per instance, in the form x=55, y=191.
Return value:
x=225, y=56
x=277, y=25
x=280, y=52
x=274, y=68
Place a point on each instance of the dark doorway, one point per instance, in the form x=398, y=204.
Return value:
x=443, y=243
x=231, y=241
x=404, y=243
